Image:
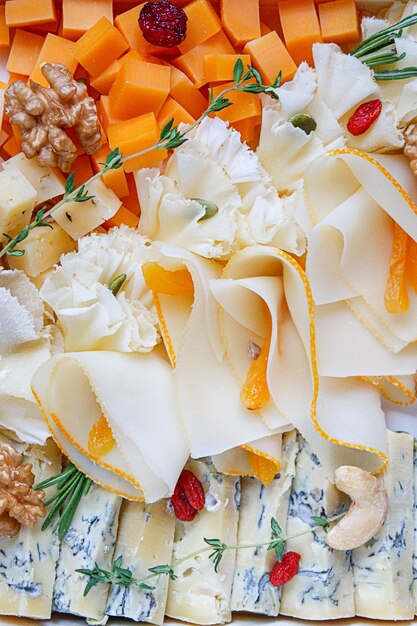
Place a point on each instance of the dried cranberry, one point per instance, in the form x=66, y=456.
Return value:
x=193, y=489
x=163, y=24
x=183, y=510
x=364, y=116
x=286, y=570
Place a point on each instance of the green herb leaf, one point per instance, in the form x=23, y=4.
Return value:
x=69, y=184
x=257, y=75
x=163, y=569
x=16, y=252
x=113, y=160
x=82, y=195
x=219, y=104
x=321, y=521
x=276, y=528
x=238, y=71
x=279, y=551
x=166, y=129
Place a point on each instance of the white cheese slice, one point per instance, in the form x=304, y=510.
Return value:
x=48, y=182
x=27, y=561
x=383, y=567
x=91, y=539
x=17, y=201
x=252, y=590
x=199, y=594
x=323, y=587
x=145, y=539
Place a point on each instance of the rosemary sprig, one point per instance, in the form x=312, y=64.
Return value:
x=123, y=577
x=171, y=137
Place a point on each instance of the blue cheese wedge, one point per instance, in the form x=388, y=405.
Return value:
x=383, y=568
x=252, y=591
x=27, y=561
x=91, y=539
x=199, y=594
x=145, y=539
x=323, y=588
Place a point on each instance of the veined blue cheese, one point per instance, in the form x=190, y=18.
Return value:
x=252, y=590
x=145, y=539
x=27, y=561
x=91, y=539
x=323, y=587
x=383, y=568
x=199, y=594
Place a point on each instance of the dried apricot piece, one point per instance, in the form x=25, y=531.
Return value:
x=411, y=262
x=100, y=438
x=396, y=296
x=264, y=469
x=255, y=393
x=170, y=283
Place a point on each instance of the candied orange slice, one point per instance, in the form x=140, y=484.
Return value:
x=263, y=468
x=411, y=262
x=396, y=296
x=255, y=393
x=100, y=438
x=171, y=283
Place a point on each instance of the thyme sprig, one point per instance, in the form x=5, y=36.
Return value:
x=123, y=577
x=171, y=137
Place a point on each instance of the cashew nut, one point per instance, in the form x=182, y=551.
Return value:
x=367, y=512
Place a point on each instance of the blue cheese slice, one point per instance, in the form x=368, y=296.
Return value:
x=323, y=587
x=145, y=539
x=199, y=594
x=27, y=561
x=252, y=590
x=91, y=539
x=383, y=568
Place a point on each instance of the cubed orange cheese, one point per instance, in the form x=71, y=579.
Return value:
x=265, y=29
x=203, y=22
x=113, y=179
x=123, y=216
x=24, y=52
x=54, y=50
x=186, y=94
x=82, y=170
x=4, y=29
x=103, y=81
x=99, y=46
x=339, y=21
x=20, y=13
x=173, y=110
x=241, y=20
x=11, y=147
x=131, y=201
x=219, y=67
x=139, y=88
x=301, y=28
x=192, y=62
x=244, y=105
x=103, y=110
x=136, y=135
x=80, y=15
x=246, y=127
x=128, y=25
x=270, y=56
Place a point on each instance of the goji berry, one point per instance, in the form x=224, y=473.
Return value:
x=193, y=489
x=183, y=510
x=364, y=116
x=163, y=24
x=286, y=570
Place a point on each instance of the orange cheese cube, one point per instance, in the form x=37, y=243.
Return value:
x=4, y=29
x=80, y=15
x=29, y=12
x=186, y=94
x=139, y=87
x=128, y=25
x=99, y=46
x=82, y=170
x=173, y=110
x=103, y=81
x=270, y=56
x=103, y=110
x=301, y=28
x=219, y=67
x=192, y=62
x=131, y=201
x=246, y=127
x=244, y=105
x=265, y=29
x=11, y=147
x=123, y=216
x=24, y=52
x=339, y=21
x=203, y=22
x=241, y=20
x=113, y=179
x=270, y=18
x=135, y=135
x=54, y=50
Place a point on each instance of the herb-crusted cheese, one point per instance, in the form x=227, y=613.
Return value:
x=27, y=561
x=383, y=568
x=252, y=590
x=199, y=594
x=323, y=588
x=145, y=539
x=91, y=539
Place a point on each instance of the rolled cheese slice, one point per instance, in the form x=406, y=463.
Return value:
x=135, y=395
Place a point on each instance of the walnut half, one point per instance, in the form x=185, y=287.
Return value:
x=19, y=504
x=42, y=114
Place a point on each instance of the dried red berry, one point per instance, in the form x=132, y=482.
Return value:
x=286, y=570
x=163, y=24
x=193, y=489
x=364, y=116
x=183, y=510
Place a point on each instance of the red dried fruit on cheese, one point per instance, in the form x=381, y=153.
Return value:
x=364, y=116
x=286, y=570
x=163, y=24
x=193, y=489
x=183, y=510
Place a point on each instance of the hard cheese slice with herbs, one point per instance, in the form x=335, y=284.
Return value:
x=383, y=567
x=27, y=561
x=91, y=539
x=252, y=590
x=323, y=588
x=199, y=594
x=145, y=539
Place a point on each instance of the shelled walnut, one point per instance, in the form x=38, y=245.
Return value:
x=410, y=146
x=19, y=504
x=42, y=114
